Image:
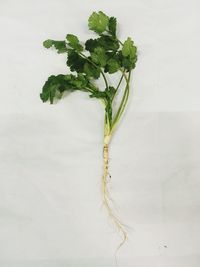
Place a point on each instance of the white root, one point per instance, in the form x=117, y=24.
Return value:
x=107, y=199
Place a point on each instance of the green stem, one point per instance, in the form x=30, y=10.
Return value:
x=89, y=89
x=120, y=81
x=110, y=126
x=123, y=103
x=120, y=42
x=104, y=77
x=107, y=129
x=124, y=74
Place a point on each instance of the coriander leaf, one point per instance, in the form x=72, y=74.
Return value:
x=113, y=65
x=109, y=43
x=98, y=22
x=112, y=25
x=128, y=54
x=74, y=42
x=59, y=45
x=129, y=49
x=72, y=39
x=111, y=54
x=56, y=85
x=53, y=86
x=129, y=63
x=91, y=71
x=91, y=44
x=99, y=56
x=48, y=43
x=75, y=61
x=80, y=82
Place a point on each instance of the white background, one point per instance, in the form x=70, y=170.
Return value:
x=51, y=155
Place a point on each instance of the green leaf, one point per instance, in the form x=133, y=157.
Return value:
x=91, y=71
x=80, y=82
x=48, y=43
x=113, y=65
x=91, y=44
x=108, y=43
x=74, y=42
x=112, y=26
x=104, y=54
x=128, y=54
x=129, y=63
x=98, y=22
x=59, y=45
x=52, y=87
x=99, y=56
x=75, y=61
x=129, y=49
x=56, y=85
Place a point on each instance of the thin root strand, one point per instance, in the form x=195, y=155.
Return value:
x=107, y=200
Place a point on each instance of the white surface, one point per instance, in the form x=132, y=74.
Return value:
x=50, y=167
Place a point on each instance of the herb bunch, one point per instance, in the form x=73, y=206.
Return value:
x=98, y=57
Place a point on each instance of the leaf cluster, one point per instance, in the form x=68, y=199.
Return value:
x=87, y=62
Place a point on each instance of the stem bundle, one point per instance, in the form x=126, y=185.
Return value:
x=109, y=128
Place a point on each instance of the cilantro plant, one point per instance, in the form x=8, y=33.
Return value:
x=98, y=57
